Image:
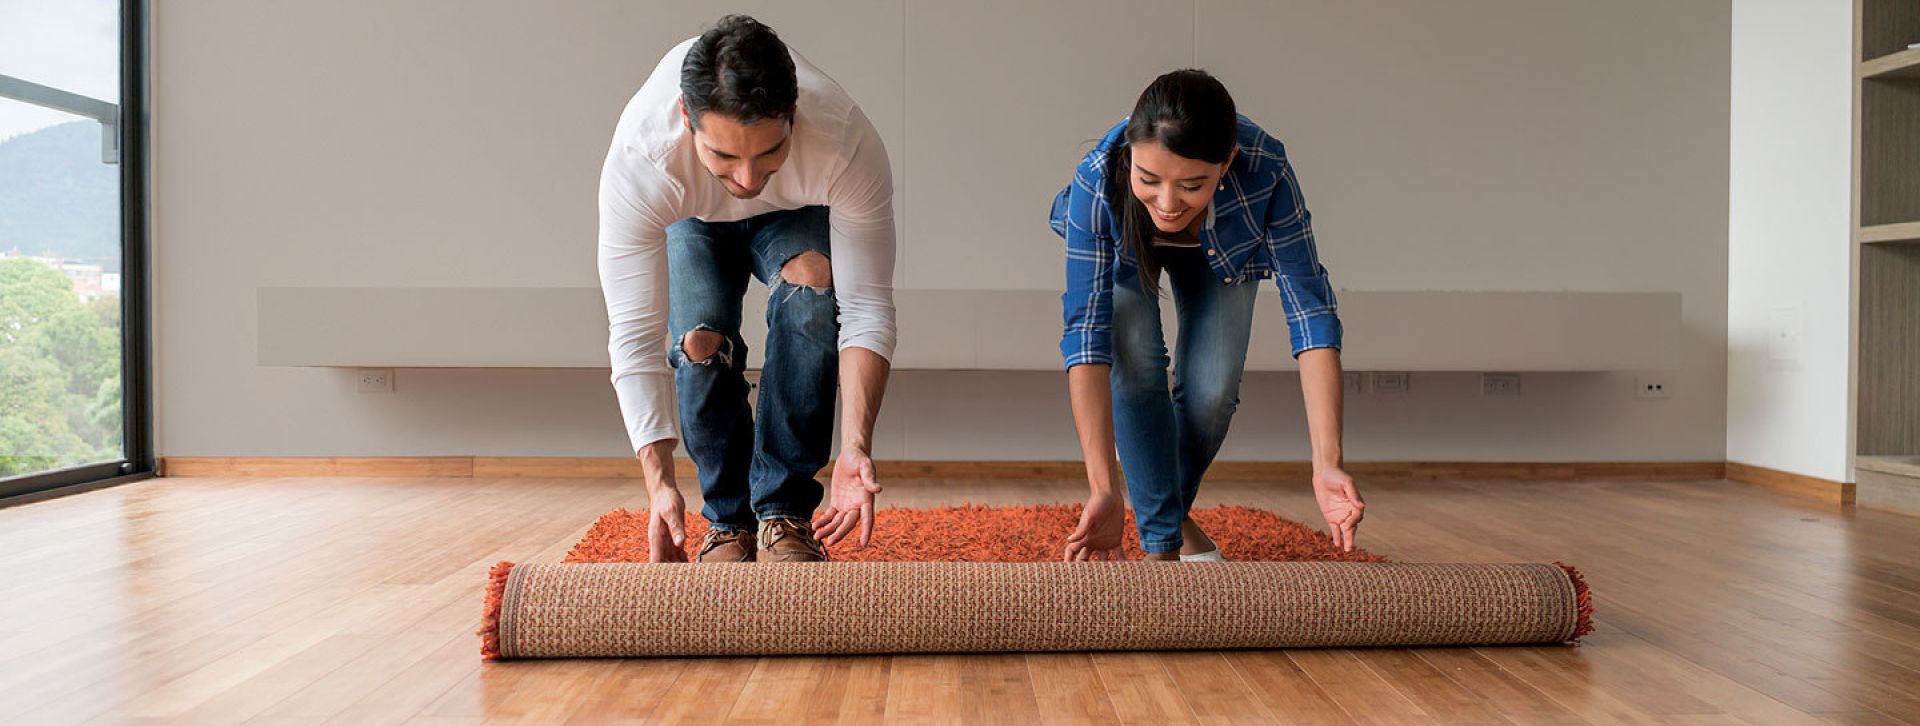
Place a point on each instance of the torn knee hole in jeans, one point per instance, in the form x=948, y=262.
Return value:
x=722, y=353
x=794, y=288
x=809, y=270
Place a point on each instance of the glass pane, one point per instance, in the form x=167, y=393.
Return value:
x=60, y=364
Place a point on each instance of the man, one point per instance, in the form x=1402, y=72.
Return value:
x=690, y=207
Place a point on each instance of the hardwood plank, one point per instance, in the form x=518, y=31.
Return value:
x=353, y=600
x=998, y=689
x=628, y=691
x=1499, y=690
x=707, y=689
x=1289, y=693
x=1214, y=689
x=328, y=695
x=541, y=693
x=850, y=689
x=1141, y=689
x=777, y=688
x=1564, y=675
x=1068, y=690
x=1361, y=692
x=369, y=466
x=925, y=689
x=1429, y=689
x=1695, y=690
x=254, y=695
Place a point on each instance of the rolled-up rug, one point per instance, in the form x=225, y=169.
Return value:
x=751, y=609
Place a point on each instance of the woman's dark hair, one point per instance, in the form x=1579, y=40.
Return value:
x=739, y=69
x=1190, y=113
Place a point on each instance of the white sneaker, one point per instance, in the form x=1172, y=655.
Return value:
x=1212, y=555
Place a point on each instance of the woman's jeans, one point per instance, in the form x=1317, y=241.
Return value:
x=754, y=468
x=1168, y=436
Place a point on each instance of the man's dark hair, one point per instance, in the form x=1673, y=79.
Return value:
x=739, y=69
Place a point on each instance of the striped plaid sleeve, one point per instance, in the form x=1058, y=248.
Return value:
x=1079, y=214
x=1312, y=310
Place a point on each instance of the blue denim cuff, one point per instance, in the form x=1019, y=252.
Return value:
x=783, y=514
x=1161, y=547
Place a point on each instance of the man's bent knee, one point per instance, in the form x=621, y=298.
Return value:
x=811, y=269
x=702, y=345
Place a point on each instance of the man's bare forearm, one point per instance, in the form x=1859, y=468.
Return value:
x=656, y=464
x=863, y=383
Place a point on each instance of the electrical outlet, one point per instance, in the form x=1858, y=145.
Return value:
x=375, y=380
x=1652, y=386
x=1354, y=383
x=1391, y=383
x=1500, y=385
x=1785, y=339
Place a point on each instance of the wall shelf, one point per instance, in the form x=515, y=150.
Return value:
x=1903, y=65
x=1884, y=233
x=1888, y=482
x=1903, y=465
x=566, y=327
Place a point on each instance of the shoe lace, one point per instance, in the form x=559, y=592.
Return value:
x=779, y=529
x=717, y=537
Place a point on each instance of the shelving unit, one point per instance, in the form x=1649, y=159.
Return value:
x=1886, y=235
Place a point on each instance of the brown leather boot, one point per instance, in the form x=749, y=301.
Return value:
x=789, y=540
x=723, y=545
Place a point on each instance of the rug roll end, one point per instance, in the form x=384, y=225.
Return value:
x=1583, y=598
x=490, y=616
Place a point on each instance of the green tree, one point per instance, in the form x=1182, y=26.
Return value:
x=57, y=356
x=30, y=292
x=104, y=415
x=34, y=431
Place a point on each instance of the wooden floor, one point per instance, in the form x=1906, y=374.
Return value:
x=221, y=600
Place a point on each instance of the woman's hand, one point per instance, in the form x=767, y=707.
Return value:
x=1098, y=535
x=1340, y=504
x=850, y=501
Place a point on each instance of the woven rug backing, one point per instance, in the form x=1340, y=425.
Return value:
x=637, y=609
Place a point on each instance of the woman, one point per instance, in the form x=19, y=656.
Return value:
x=1187, y=189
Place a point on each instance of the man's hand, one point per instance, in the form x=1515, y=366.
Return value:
x=666, y=526
x=1098, y=535
x=849, y=500
x=1340, y=504
x=666, y=511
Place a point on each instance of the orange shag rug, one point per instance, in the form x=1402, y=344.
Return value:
x=972, y=533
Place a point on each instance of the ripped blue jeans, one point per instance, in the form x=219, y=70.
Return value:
x=754, y=468
x=1168, y=434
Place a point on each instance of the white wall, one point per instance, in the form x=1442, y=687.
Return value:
x=1482, y=145
x=1788, y=236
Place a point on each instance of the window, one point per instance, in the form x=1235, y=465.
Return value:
x=73, y=320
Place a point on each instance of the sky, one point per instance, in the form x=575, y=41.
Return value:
x=72, y=45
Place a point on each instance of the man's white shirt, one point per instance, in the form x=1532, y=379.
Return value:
x=652, y=178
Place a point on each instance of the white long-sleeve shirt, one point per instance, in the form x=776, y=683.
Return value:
x=652, y=178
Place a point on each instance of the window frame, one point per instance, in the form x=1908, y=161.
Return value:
x=136, y=328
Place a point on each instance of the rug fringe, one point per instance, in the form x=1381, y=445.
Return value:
x=1584, y=598
x=490, y=617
